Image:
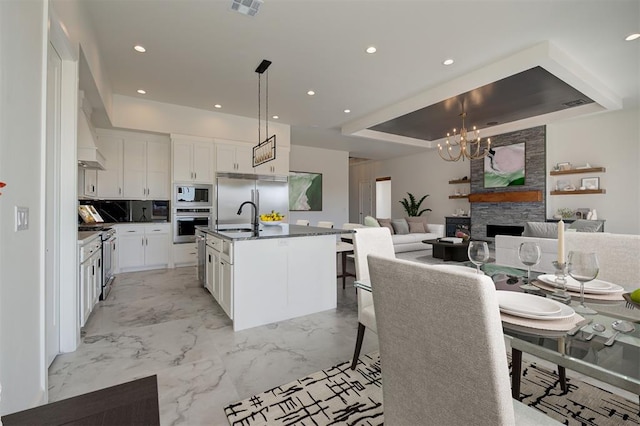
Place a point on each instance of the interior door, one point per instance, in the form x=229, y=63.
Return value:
x=52, y=201
x=365, y=194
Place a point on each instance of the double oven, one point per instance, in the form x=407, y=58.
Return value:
x=192, y=205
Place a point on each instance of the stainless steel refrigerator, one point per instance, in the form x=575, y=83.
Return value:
x=266, y=191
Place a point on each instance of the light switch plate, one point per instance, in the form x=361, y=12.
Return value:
x=22, y=218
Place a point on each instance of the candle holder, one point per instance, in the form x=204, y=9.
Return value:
x=561, y=283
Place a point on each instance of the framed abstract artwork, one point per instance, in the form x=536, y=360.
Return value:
x=504, y=166
x=305, y=191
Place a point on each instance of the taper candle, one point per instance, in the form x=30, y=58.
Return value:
x=560, y=241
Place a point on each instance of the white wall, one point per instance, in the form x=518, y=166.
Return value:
x=22, y=42
x=151, y=116
x=334, y=166
x=610, y=140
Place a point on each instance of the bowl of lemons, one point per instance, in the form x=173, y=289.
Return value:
x=270, y=219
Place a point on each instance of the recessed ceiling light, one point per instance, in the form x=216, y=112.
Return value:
x=371, y=49
x=311, y=93
x=275, y=117
x=142, y=92
x=217, y=106
x=447, y=62
x=139, y=48
x=631, y=37
x=347, y=111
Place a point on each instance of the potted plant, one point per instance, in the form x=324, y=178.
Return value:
x=412, y=207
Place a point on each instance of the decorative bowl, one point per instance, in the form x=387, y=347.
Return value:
x=270, y=222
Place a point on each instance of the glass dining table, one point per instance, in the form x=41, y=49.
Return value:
x=617, y=365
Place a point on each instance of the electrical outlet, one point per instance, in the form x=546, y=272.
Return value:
x=22, y=218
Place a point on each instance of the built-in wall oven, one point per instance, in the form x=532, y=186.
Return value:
x=185, y=222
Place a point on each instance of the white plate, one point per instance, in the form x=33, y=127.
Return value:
x=527, y=304
x=593, y=287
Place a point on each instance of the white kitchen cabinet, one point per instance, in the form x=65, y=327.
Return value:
x=89, y=276
x=146, y=170
x=185, y=254
x=192, y=159
x=226, y=288
x=90, y=183
x=279, y=166
x=234, y=157
x=212, y=282
x=110, y=179
x=143, y=246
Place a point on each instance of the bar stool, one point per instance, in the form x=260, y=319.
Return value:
x=302, y=222
x=325, y=224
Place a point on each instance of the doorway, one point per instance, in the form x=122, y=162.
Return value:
x=365, y=199
x=383, y=197
x=52, y=205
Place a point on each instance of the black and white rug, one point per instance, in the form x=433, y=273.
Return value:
x=339, y=395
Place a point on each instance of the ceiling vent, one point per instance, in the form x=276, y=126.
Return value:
x=575, y=103
x=246, y=7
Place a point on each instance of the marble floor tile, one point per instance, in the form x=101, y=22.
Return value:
x=162, y=322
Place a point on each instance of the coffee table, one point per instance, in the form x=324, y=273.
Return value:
x=449, y=251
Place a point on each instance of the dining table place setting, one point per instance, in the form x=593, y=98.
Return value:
x=536, y=312
x=594, y=290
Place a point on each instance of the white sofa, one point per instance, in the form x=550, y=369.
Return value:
x=413, y=241
x=407, y=242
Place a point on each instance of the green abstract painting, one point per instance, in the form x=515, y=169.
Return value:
x=305, y=191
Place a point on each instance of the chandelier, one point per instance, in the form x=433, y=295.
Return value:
x=463, y=146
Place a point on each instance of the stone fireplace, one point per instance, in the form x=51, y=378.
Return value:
x=500, y=209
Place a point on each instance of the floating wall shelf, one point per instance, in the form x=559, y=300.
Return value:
x=579, y=192
x=576, y=171
x=458, y=196
x=458, y=181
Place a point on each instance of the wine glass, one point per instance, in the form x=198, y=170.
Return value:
x=478, y=252
x=529, y=255
x=583, y=267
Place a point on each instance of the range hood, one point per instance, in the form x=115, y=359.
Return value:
x=89, y=157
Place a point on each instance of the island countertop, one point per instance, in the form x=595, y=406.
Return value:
x=239, y=232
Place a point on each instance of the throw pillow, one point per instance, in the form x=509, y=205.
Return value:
x=581, y=225
x=387, y=224
x=540, y=230
x=371, y=221
x=417, y=224
x=400, y=226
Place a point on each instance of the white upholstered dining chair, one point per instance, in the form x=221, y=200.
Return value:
x=302, y=222
x=442, y=350
x=368, y=241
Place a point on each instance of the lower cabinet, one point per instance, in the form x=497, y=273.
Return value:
x=219, y=272
x=185, y=254
x=143, y=246
x=90, y=278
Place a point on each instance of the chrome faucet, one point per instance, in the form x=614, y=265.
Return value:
x=255, y=215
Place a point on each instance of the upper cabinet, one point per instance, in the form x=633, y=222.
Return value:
x=146, y=169
x=110, y=179
x=235, y=157
x=278, y=166
x=137, y=166
x=192, y=159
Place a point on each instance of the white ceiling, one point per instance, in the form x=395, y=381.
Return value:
x=200, y=53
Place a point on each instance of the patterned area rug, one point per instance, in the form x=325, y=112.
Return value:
x=338, y=395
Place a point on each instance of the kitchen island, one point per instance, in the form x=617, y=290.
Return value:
x=284, y=271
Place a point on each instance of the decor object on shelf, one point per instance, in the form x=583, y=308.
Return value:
x=565, y=213
x=470, y=149
x=504, y=166
x=412, y=207
x=305, y=191
x=590, y=183
x=2, y=185
x=563, y=166
x=265, y=151
x=582, y=213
